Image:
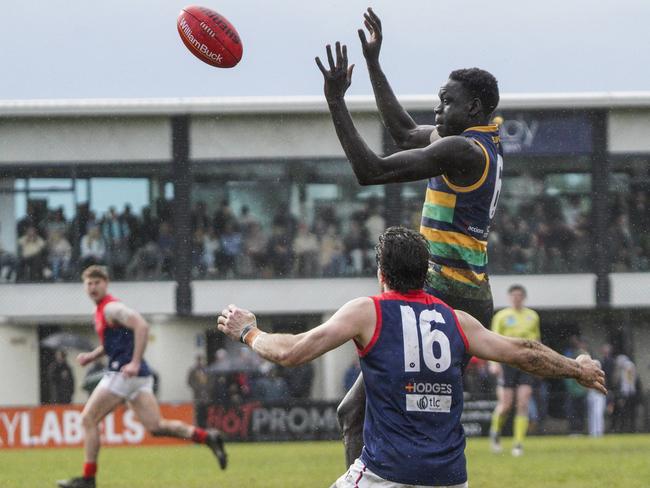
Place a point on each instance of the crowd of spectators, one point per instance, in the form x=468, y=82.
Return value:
x=224, y=244
x=545, y=234
x=239, y=376
x=551, y=234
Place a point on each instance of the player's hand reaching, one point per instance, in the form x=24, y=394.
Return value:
x=339, y=76
x=233, y=320
x=591, y=376
x=84, y=358
x=130, y=369
x=371, y=47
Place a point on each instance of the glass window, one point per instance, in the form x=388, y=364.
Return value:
x=543, y=225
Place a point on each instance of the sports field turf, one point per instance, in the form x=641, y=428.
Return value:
x=549, y=462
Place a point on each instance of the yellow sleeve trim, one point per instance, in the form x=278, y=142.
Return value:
x=483, y=128
x=477, y=185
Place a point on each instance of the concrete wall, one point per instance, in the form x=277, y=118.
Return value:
x=274, y=136
x=85, y=139
x=19, y=369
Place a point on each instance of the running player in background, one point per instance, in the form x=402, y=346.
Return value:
x=123, y=334
x=413, y=348
x=522, y=323
x=461, y=156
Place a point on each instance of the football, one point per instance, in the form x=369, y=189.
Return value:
x=209, y=36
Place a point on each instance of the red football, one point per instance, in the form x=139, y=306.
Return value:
x=209, y=36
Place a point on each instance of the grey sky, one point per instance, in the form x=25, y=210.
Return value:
x=130, y=48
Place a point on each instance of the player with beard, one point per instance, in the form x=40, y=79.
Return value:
x=123, y=334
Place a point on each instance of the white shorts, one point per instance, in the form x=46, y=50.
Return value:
x=127, y=388
x=359, y=476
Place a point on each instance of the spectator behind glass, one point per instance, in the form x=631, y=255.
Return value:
x=59, y=252
x=375, y=224
x=148, y=227
x=200, y=218
x=146, y=263
x=231, y=250
x=222, y=216
x=56, y=222
x=211, y=246
x=26, y=221
x=623, y=246
x=332, y=259
x=255, y=247
x=93, y=249
x=166, y=247
x=31, y=250
x=625, y=395
x=305, y=247
x=116, y=237
x=199, y=381
x=246, y=221
x=199, y=268
x=60, y=379
x=131, y=224
x=280, y=253
x=357, y=246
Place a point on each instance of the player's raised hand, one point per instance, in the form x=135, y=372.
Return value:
x=372, y=46
x=233, y=320
x=339, y=76
x=591, y=375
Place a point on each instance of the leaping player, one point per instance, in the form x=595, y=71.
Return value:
x=413, y=348
x=123, y=333
x=461, y=157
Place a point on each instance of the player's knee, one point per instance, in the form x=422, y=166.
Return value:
x=88, y=421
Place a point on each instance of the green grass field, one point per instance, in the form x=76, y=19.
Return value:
x=549, y=462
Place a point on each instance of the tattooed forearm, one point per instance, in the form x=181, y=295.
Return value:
x=537, y=359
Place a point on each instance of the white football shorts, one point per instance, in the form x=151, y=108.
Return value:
x=359, y=476
x=127, y=388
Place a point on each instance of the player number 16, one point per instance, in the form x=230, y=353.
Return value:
x=429, y=337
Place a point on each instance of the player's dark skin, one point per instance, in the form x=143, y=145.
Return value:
x=462, y=161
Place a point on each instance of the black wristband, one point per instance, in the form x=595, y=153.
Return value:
x=245, y=331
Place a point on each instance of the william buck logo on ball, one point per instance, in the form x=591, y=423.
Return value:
x=199, y=46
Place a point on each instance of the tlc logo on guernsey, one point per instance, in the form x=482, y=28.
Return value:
x=428, y=397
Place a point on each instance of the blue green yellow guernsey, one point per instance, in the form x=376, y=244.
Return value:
x=456, y=223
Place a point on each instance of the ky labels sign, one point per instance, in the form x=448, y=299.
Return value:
x=60, y=426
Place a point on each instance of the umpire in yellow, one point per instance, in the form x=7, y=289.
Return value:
x=520, y=322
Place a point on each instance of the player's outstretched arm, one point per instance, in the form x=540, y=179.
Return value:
x=401, y=126
x=529, y=355
x=118, y=313
x=84, y=358
x=354, y=320
x=454, y=156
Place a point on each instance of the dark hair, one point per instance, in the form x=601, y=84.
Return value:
x=403, y=258
x=517, y=288
x=480, y=84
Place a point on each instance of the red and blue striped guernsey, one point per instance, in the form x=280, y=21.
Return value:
x=412, y=370
x=456, y=223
